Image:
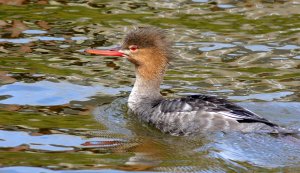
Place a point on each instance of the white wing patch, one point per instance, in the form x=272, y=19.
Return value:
x=229, y=115
x=187, y=107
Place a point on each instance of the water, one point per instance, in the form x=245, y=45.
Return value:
x=64, y=111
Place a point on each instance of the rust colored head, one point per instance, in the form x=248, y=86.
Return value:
x=149, y=50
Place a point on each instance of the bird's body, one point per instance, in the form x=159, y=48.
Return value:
x=197, y=114
x=149, y=50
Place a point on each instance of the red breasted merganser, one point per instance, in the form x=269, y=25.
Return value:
x=150, y=51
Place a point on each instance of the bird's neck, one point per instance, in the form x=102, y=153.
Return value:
x=146, y=88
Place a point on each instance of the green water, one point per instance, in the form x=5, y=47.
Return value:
x=61, y=109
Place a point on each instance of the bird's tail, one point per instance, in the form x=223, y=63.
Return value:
x=281, y=131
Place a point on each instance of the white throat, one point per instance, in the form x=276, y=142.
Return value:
x=143, y=92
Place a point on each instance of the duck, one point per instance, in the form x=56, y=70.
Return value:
x=150, y=51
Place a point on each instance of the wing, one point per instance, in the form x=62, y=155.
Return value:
x=211, y=104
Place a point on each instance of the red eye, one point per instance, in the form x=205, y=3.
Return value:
x=133, y=48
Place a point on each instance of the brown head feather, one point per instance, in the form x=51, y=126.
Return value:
x=149, y=37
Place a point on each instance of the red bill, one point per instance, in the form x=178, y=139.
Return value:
x=104, y=52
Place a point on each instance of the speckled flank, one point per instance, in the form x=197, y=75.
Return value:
x=173, y=117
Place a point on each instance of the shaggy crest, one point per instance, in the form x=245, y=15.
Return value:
x=149, y=37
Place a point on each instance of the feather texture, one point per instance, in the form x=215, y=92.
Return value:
x=199, y=113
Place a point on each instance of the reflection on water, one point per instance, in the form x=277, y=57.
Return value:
x=258, y=150
x=263, y=96
x=66, y=111
x=31, y=39
x=46, y=93
x=53, y=142
x=22, y=169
